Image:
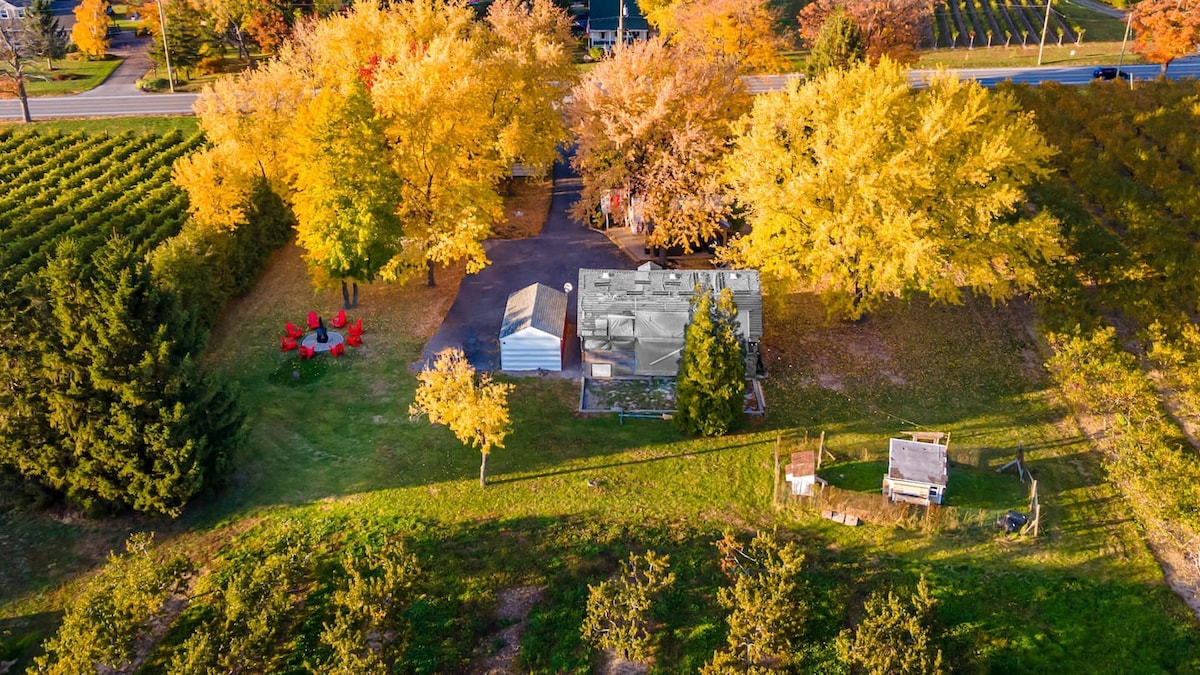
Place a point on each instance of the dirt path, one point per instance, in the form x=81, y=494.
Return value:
x=513, y=607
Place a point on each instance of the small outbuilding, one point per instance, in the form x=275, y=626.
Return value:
x=801, y=473
x=917, y=472
x=531, y=336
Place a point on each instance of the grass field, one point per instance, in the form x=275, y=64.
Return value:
x=68, y=77
x=337, y=453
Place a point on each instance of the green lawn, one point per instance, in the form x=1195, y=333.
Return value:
x=187, y=125
x=69, y=76
x=337, y=453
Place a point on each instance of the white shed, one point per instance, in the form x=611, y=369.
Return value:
x=531, y=336
x=916, y=472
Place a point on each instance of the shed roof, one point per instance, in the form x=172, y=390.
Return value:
x=917, y=462
x=804, y=463
x=535, y=306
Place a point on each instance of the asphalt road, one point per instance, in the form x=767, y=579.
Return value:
x=552, y=258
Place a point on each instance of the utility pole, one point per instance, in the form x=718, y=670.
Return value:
x=621, y=23
x=162, y=22
x=1045, y=27
x=1124, y=41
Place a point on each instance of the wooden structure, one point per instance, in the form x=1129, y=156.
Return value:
x=917, y=472
x=632, y=322
x=801, y=473
x=531, y=335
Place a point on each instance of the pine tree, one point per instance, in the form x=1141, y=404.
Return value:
x=710, y=389
x=896, y=636
x=44, y=37
x=619, y=610
x=131, y=420
x=838, y=44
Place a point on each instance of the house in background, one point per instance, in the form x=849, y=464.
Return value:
x=531, y=336
x=632, y=322
x=917, y=472
x=603, y=19
x=12, y=9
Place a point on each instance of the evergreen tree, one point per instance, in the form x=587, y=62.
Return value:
x=187, y=39
x=620, y=610
x=838, y=44
x=44, y=37
x=895, y=637
x=710, y=390
x=768, y=604
x=128, y=421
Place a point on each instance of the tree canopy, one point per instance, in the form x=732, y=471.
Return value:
x=473, y=406
x=1164, y=30
x=837, y=44
x=862, y=189
x=656, y=121
x=710, y=389
x=891, y=28
x=445, y=105
x=90, y=32
x=743, y=31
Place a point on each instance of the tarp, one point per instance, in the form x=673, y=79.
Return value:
x=657, y=357
x=659, y=325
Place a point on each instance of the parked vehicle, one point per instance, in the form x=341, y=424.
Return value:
x=1110, y=73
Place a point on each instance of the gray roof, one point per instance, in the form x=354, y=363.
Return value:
x=917, y=462
x=535, y=306
x=657, y=293
x=604, y=14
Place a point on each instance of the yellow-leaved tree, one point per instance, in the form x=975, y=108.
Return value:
x=656, y=121
x=473, y=406
x=861, y=188
x=741, y=30
x=389, y=131
x=90, y=32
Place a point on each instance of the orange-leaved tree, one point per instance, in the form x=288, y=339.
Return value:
x=656, y=121
x=741, y=30
x=892, y=28
x=473, y=406
x=90, y=32
x=1164, y=30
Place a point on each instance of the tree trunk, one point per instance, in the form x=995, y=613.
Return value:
x=354, y=301
x=24, y=98
x=429, y=274
x=345, y=295
x=49, y=64
x=483, y=470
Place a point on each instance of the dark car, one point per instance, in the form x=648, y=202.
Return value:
x=1109, y=73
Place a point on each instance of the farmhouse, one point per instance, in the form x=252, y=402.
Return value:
x=603, y=19
x=916, y=472
x=531, y=336
x=632, y=322
x=12, y=9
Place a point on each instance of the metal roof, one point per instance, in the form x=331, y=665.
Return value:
x=917, y=462
x=535, y=306
x=605, y=295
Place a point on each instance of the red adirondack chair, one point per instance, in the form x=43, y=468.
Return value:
x=294, y=331
x=337, y=350
x=339, y=319
x=356, y=328
x=287, y=343
x=306, y=352
x=354, y=340
x=313, y=320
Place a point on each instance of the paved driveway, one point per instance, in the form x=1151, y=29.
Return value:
x=552, y=258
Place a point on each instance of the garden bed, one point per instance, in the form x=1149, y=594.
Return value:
x=647, y=395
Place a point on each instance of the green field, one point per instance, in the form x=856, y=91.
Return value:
x=187, y=126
